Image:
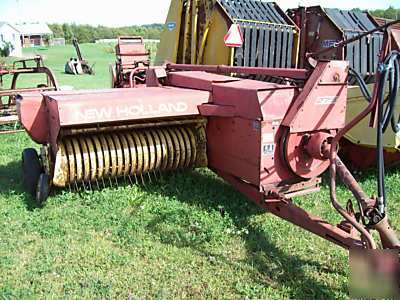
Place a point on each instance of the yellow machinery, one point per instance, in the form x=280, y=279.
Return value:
x=195, y=30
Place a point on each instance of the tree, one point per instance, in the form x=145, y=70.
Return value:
x=390, y=13
x=68, y=34
x=5, y=49
x=89, y=34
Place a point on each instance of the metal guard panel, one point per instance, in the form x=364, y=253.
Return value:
x=254, y=100
x=350, y=20
x=109, y=106
x=253, y=10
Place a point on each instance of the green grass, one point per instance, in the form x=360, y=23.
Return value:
x=98, y=55
x=187, y=235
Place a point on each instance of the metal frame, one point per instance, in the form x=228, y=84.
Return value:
x=8, y=110
x=132, y=62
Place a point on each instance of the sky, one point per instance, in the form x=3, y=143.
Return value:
x=116, y=13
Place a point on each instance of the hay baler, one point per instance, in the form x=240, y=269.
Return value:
x=270, y=141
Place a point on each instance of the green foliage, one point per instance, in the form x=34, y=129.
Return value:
x=89, y=34
x=6, y=48
x=390, y=13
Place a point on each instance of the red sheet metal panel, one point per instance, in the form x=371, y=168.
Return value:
x=247, y=145
x=107, y=106
x=233, y=146
x=322, y=102
x=273, y=169
x=33, y=116
x=255, y=99
x=197, y=79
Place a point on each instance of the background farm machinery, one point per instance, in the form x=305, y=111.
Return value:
x=132, y=61
x=20, y=68
x=78, y=65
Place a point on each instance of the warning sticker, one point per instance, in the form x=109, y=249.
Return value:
x=268, y=149
x=326, y=100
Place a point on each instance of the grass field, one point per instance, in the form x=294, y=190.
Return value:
x=187, y=235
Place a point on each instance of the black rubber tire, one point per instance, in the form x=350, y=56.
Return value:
x=31, y=169
x=43, y=189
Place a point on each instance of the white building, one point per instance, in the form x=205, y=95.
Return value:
x=34, y=34
x=9, y=33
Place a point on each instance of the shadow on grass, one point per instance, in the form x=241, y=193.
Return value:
x=212, y=194
x=11, y=184
x=262, y=254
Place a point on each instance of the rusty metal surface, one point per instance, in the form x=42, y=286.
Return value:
x=132, y=60
x=8, y=113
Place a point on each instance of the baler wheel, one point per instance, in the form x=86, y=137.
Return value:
x=32, y=169
x=43, y=188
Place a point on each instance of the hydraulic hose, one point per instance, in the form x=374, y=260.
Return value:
x=389, y=80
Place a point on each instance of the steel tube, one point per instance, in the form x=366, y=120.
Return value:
x=223, y=69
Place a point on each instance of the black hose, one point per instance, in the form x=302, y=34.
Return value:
x=361, y=84
x=389, y=77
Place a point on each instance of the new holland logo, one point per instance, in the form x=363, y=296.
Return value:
x=130, y=111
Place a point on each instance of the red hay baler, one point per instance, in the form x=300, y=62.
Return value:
x=271, y=141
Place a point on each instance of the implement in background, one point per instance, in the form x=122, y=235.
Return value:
x=19, y=69
x=195, y=30
x=322, y=28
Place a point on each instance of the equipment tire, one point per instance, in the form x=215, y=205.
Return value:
x=43, y=189
x=31, y=168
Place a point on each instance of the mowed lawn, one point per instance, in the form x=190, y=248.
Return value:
x=185, y=235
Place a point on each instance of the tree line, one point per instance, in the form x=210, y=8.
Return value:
x=390, y=13
x=89, y=34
